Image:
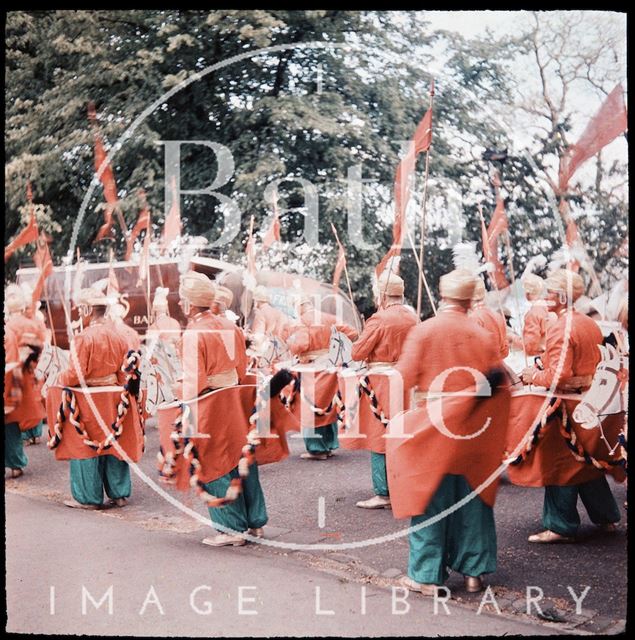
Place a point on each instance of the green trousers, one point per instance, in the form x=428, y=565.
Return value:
x=36, y=432
x=325, y=439
x=90, y=477
x=560, y=513
x=378, y=473
x=248, y=511
x=464, y=540
x=14, y=456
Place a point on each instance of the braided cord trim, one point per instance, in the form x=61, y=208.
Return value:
x=69, y=410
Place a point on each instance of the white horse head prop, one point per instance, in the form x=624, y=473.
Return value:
x=158, y=374
x=276, y=351
x=340, y=351
x=50, y=364
x=605, y=396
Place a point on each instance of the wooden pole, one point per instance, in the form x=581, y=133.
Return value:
x=50, y=316
x=422, y=276
x=348, y=282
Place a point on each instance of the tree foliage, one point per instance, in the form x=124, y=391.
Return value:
x=294, y=110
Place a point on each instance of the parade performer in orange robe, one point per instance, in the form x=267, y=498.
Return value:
x=223, y=302
x=308, y=341
x=492, y=322
x=380, y=345
x=14, y=457
x=219, y=364
x=456, y=444
x=551, y=463
x=220, y=308
x=30, y=334
x=268, y=321
x=116, y=313
x=537, y=318
x=97, y=357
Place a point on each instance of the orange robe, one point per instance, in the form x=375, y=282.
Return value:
x=269, y=321
x=213, y=351
x=535, y=328
x=12, y=389
x=129, y=335
x=223, y=413
x=417, y=465
x=25, y=331
x=550, y=461
x=100, y=352
x=313, y=333
x=240, y=346
x=494, y=324
x=165, y=328
x=28, y=331
x=381, y=341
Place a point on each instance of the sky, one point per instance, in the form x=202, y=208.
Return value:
x=584, y=101
x=474, y=23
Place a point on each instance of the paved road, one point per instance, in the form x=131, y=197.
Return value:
x=163, y=583
x=293, y=489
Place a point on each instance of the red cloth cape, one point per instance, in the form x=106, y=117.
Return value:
x=550, y=461
x=415, y=466
x=106, y=400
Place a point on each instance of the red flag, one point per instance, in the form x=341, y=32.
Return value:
x=339, y=265
x=497, y=226
x=499, y=222
x=251, y=256
x=105, y=231
x=172, y=226
x=107, y=177
x=144, y=264
x=44, y=263
x=421, y=142
x=572, y=235
x=604, y=127
x=273, y=233
x=143, y=222
x=27, y=235
x=485, y=241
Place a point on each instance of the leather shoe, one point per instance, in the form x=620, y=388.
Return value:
x=549, y=537
x=73, y=504
x=473, y=584
x=313, y=456
x=424, y=589
x=376, y=502
x=225, y=540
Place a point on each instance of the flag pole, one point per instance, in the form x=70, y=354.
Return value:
x=148, y=228
x=348, y=282
x=512, y=275
x=243, y=297
x=423, y=210
x=422, y=275
x=563, y=210
x=50, y=316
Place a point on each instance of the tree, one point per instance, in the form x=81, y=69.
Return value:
x=572, y=75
